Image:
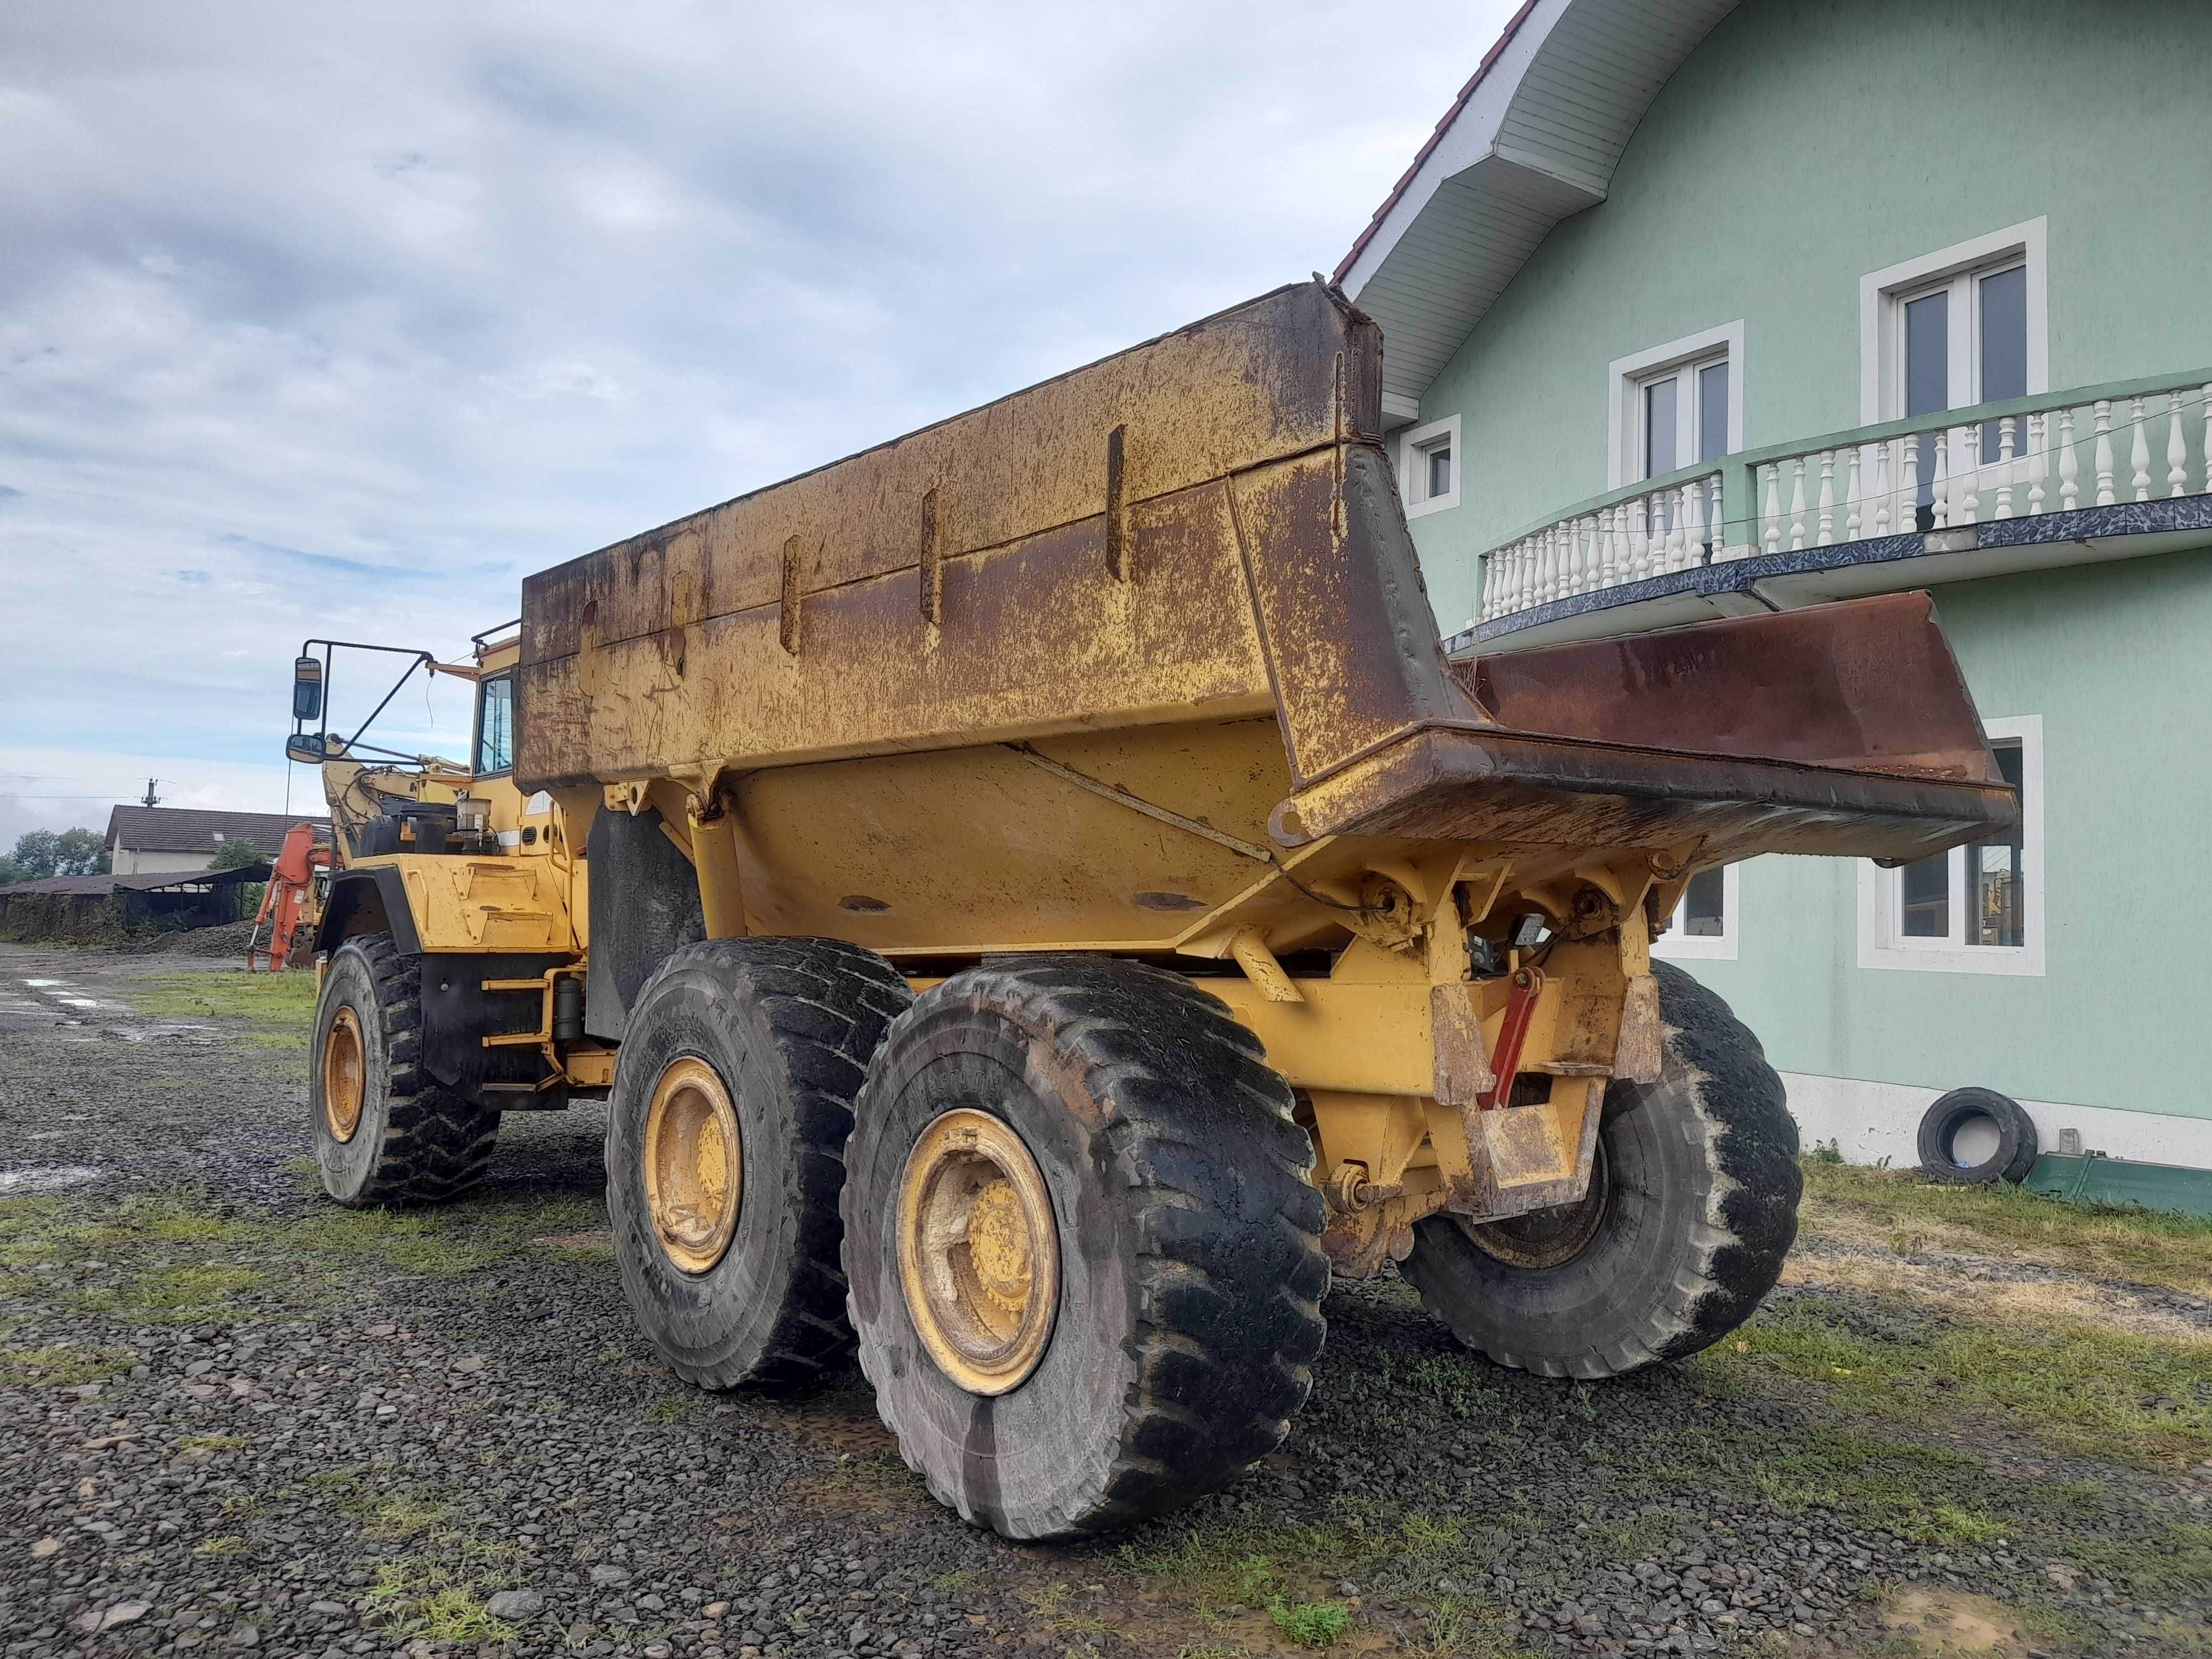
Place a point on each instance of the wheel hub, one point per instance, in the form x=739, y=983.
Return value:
x=345, y=1075
x=693, y=1164
x=979, y=1256
x=1553, y=1238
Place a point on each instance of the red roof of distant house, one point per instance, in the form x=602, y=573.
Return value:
x=189, y=829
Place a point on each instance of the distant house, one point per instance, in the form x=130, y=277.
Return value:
x=162, y=840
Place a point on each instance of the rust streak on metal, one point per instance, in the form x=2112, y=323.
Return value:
x=1117, y=503
x=931, y=563
x=787, y=628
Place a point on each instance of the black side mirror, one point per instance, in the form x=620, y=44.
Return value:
x=307, y=689
x=305, y=747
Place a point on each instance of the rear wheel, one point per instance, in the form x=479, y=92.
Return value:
x=384, y=1133
x=1691, y=1206
x=1084, y=1251
x=733, y=1098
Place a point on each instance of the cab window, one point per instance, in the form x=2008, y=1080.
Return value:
x=495, y=725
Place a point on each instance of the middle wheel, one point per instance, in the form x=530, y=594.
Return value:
x=1083, y=1249
x=733, y=1098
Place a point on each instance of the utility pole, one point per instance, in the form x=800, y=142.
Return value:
x=152, y=799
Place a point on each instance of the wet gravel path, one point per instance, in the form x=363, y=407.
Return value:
x=232, y=1419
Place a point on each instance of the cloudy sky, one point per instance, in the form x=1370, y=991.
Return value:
x=340, y=319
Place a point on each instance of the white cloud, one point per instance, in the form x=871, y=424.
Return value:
x=338, y=319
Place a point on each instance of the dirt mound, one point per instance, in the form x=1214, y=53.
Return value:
x=228, y=940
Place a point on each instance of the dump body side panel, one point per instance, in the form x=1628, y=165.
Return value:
x=1158, y=537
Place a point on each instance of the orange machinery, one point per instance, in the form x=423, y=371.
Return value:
x=287, y=904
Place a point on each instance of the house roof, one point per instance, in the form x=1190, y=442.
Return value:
x=188, y=829
x=1534, y=138
x=100, y=886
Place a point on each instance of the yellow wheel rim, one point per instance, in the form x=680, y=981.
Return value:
x=345, y=1075
x=979, y=1256
x=693, y=1164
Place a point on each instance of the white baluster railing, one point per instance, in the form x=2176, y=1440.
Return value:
x=2062, y=457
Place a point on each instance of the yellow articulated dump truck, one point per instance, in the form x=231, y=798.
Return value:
x=1037, y=902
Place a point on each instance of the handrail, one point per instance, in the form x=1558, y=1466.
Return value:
x=2034, y=403
x=1651, y=486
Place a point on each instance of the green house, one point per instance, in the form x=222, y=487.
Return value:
x=1694, y=309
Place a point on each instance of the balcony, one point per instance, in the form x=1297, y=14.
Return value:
x=2065, y=478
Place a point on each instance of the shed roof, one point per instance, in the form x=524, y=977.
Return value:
x=100, y=886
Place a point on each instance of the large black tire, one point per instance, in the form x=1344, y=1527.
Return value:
x=1190, y=1271
x=416, y=1141
x=2010, y=1160
x=1694, y=1205
x=788, y=1026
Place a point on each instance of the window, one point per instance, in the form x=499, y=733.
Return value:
x=1965, y=325
x=495, y=725
x=1976, y=909
x=1684, y=417
x=1704, y=926
x=1428, y=467
x=1676, y=405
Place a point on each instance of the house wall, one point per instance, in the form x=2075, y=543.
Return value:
x=129, y=862
x=2111, y=1025
x=1801, y=146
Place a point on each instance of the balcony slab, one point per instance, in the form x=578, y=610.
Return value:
x=1885, y=564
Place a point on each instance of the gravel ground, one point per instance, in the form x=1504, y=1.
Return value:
x=234, y=1419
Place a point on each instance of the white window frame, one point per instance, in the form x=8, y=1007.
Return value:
x=1625, y=378
x=1883, y=294
x=1413, y=466
x=1675, y=945
x=1883, y=945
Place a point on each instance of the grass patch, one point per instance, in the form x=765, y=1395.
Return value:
x=1918, y=1492
x=435, y=1246
x=1634, y=1538
x=1218, y=1562
x=272, y=1001
x=438, y=1595
x=62, y=1367
x=2081, y=1387
x=1466, y=1629
x=171, y=1295
x=405, y=1516
x=1311, y=1624
x=2174, y=1559
x=1911, y=1215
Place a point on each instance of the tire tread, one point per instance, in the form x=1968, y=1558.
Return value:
x=1224, y=1355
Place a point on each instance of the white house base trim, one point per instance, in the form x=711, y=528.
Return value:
x=1873, y=1121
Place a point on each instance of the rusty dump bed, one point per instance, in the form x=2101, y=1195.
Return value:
x=1196, y=533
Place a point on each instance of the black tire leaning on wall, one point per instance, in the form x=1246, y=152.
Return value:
x=1693, y=1208
x=787, y=1025
x=2014, y=1155
x=1187, y=1233
x=389, y=1133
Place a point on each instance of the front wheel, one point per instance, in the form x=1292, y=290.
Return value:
x=1084, y=1252
x=1691, y=1206
x=386, y=1132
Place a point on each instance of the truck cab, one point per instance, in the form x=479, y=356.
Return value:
x=461, y=870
